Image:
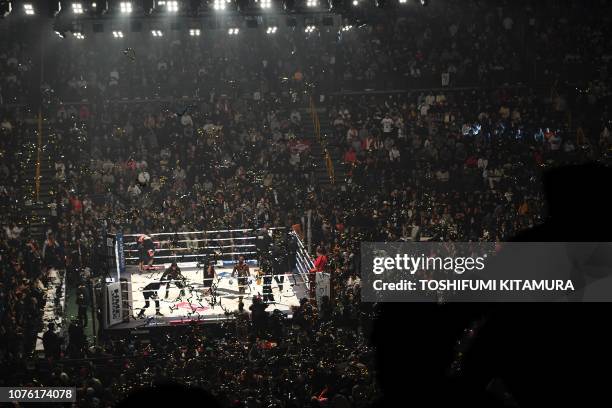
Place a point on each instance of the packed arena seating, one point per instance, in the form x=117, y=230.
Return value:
x=458, y=160
x=16, y=71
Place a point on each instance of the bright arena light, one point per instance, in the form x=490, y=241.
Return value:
x=77, y=8
x=118, y=34
x=125, y=7
x=79, y=35
x=94, y=5
x=265, y=4
x=172, y=6
x=403, y=1
x=347, y=27
x=157, y=33
x=312, y=3
x=194, y=32
x=355, y=2
x=219, y=5
x=309, y=29
x=29, y=9
x=271, y=30
x=233, y=31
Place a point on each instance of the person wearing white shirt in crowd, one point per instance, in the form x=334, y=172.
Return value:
x=346, y=115
x=144, y=177
x=179, y=173
x=114, y=78
x=394, y=154
x=387, y=124
x=495, y=176
x=430, y=99
x=13, y=231
x=352, y=134
x=134, y=191
x=424, y=109
x=186, y=120
x=399, y=125
x=6, y=125
x=60, y=171
x=53, y=208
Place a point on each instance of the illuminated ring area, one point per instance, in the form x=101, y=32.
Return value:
x=194, y=296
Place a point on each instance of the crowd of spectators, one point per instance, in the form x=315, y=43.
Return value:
x=454, y=43
x=452, y=165
x=15, y=71
x=319, y=357
x=151, y=168
x=20, y=269
x=460, y=165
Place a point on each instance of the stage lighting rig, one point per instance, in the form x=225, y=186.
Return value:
x=172, y=6
x=28, y=9
x=77, y=8
x=264, y=4
x=220, y=5
x=125, y=7
x=169, y=6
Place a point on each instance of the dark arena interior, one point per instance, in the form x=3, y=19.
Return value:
x=188, y=189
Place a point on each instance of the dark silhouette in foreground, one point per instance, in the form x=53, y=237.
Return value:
x=169, y=395
x=524, y=354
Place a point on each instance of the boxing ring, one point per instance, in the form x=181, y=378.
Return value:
x=274, y=256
